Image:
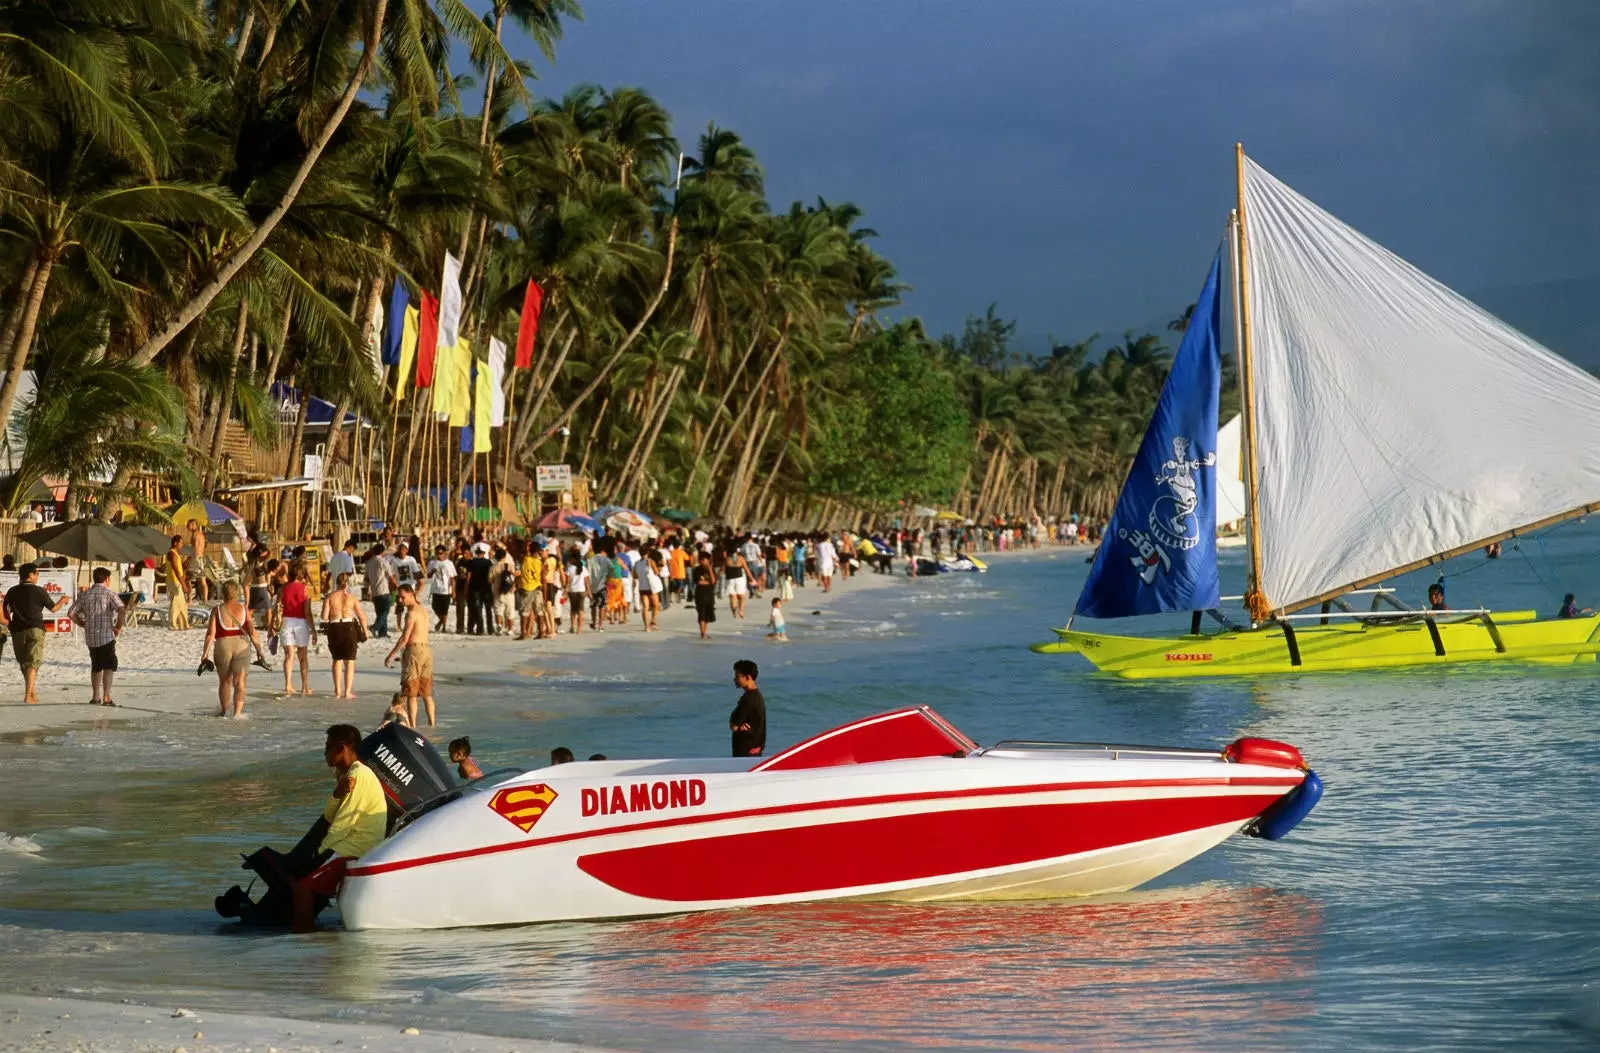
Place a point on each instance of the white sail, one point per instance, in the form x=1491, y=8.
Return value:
x=1394, y=419
x=1230, y=475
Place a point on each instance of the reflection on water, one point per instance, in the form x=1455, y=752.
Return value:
x=1441, y=897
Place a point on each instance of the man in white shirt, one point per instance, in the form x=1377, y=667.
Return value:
x=406, y=571
x=441, y=584
x=827, y=561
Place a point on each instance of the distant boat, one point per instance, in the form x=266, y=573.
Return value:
x=1388, y=424
x=1230, y=484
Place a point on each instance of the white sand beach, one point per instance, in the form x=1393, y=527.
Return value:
x=157, y=677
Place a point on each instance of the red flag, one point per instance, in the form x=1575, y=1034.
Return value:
x=427, y=339
x=532, y=304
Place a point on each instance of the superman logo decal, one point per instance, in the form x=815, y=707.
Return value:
x=523, y=806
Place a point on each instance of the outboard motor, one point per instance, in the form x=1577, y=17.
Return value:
x=412, y=775
x=410, y=769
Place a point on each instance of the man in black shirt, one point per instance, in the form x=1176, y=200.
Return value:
x=25, y=606
x=480, y=593
x=748, y=722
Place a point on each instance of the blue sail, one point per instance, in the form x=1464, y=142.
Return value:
x=1159, y=552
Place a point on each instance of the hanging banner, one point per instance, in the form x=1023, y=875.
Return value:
x=450, y=302
x=444, y=382
x=497, y=380
x=461, y=386
x=427, y=340
x=528, y=328
x=408, y=350
x=394, y=323
x=483, y=393
x=553, y=477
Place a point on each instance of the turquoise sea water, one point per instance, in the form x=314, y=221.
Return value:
x=1443, y=896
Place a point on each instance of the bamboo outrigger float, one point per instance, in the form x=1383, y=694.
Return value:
x=1388, y=425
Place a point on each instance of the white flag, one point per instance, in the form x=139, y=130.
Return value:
x=497, y=376
x=450, y=302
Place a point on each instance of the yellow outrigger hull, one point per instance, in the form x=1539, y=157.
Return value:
x=1337, y=646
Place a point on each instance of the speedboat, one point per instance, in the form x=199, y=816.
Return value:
x=898, y=806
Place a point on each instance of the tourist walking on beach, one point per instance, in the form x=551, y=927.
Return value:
x=441, y=575
x=748, y=721
x=24, y=609
x=530, y=591
x=461, y=583
x=406, y=572
x=505, y=592
x=641, y=585
x=737, y=572
x=677, y=571
x=298, y=631
x=343, y=561
x=101, y=614
x=577, y=589
x=199, y=584
x=797, y=562
x=177, y=586
x=599, y=575
x=230, y=638
x=346, y=626
x=416, y=662
x=705, y=594
x=479, y=572
x=552, y=586
x=827, y=560
x=380, y=589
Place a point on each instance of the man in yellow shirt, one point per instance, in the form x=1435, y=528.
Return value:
x=530, y=589
x=358, y=815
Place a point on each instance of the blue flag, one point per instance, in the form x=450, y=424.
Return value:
x=394, y=324
x=1159, y=552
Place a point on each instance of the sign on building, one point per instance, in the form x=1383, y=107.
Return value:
x=553, y=477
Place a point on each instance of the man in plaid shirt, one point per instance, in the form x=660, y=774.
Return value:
x=100, y=612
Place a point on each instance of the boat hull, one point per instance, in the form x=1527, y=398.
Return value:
x=992, y=827
x=1336, y=647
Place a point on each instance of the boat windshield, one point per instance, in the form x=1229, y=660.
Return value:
x=900, y=734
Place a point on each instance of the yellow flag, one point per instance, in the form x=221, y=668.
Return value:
x=482, y=409
x=444, y=380
x=408, y=351
x=461, y=385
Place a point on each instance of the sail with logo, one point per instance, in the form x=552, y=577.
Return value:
x=1159, y=551
x=1387, y=425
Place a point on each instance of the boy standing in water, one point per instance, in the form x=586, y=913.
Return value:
x=748, y=721
x=416, y=665
x=779, y=631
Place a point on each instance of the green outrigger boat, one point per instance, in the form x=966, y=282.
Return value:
x=1388, y=425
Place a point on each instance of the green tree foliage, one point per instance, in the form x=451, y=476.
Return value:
x=903, y=434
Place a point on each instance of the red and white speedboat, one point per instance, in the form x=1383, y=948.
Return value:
x=899, y=806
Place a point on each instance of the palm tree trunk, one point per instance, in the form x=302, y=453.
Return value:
x=291, y=460
x=225, y=401
x=656, y=405
x=747, y=475
x=245, y=29
x=755, y=397
x=705, y=439
x=24, y=339
x=616, y=356
x=537, y=393
x=276, y=358
x=201, y=300
x=594, y=430
x=14, y=319
x=655, y=432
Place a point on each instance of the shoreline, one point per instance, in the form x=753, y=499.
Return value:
x=36, y=1024
x=157, y=677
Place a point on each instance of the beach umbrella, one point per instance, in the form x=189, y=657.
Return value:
x=924, y=512
x=678, y=515
x=565, y=519
x=948, y=515
x=87, y=539
x=627, y=521
x=604, y=514
x=153, y=540
x=209, y=513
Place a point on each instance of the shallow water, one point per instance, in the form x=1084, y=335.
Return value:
x=1441, y=897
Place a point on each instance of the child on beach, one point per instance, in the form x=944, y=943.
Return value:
x=780, y=631
x=396, y=713
x=461, y=757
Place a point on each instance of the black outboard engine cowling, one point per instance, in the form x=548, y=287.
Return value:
x=410, y=769
x=412, y=774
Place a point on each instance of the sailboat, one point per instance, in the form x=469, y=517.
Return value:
x=1230, y=484
x=1387, y=423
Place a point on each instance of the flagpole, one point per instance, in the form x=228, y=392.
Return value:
x=1255, y=599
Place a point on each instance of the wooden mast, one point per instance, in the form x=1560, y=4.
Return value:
x=1255, y=598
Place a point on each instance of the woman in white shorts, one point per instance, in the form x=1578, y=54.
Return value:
x=737, y=573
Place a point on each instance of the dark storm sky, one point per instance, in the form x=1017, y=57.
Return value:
x=1073, y=160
